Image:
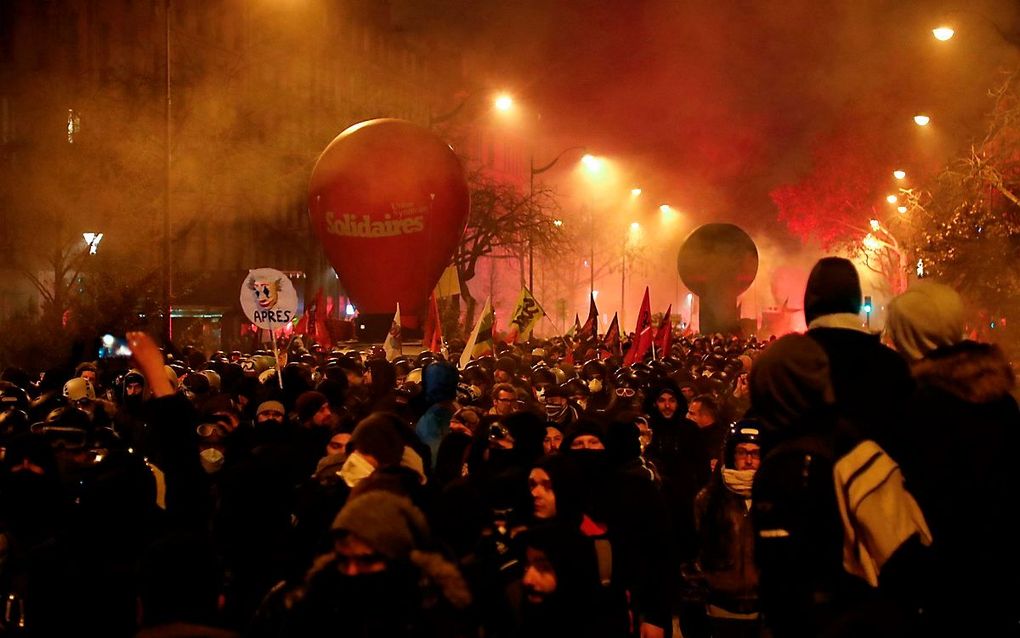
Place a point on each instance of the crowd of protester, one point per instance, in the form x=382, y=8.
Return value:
x=819, y=484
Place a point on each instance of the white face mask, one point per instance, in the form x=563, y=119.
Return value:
x=595, y=385
x=355, y=468
x=212, y=460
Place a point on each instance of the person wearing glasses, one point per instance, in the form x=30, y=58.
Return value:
x=722, y=514
x=504, y=399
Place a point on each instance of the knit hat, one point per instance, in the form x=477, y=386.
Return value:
x=378, y=437
x=833, y=287
x=390, y=524
x=308, y=404
x=928, y=316
x=268, y=406
x=790, y=380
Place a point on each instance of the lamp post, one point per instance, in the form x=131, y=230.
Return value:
x=531, y=199
x=167, y=263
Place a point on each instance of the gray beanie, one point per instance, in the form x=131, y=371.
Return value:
x=390, y=524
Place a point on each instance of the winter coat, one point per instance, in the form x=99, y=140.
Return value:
x=961, y=438
x=726, y=555
x=871, y=382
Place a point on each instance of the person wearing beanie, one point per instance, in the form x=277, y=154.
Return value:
x=381, y=578
x=313, y=410
x=959, y=435
x=871, y=382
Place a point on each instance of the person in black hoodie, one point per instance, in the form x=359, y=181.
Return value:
x=674, y=452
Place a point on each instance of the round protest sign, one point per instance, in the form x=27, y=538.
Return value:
x=268, y=298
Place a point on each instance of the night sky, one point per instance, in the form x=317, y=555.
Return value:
x=713, y=104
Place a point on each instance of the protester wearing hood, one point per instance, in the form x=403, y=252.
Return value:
x=561, y=587
x=622, y=511
x=673, y=451
x=382, y=578
x=961, y=431
x=440, y=388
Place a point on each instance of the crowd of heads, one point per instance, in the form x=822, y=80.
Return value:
x=326, y=483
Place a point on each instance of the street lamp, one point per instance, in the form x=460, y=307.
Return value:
x=503, y=102
x=892, y=199
x=921, y=120
x=531, y=197
x=635, y=227
x=942, y=34
x=167, y=130
x=899, y=174
x=635, y=192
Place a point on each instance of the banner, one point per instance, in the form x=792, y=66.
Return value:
x=449, y=283
x=526, y=315
x=393, y=344
x=481, y=342
x=432, y=336
x=664, y=337
x=642, y=341
x=612, y=339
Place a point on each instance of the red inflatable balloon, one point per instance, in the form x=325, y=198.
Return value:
x=389, y=202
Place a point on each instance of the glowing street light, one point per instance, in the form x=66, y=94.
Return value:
x=665, y=209
x=635, y=192
x=871, y=242
x=892, y=199
x=921, y=120
x=503, y=102
x=942, y=34
x=592, y=164
x=901, y=210
x=634, y=227
x=899, y=174
x=558, y=223
x=875, y=226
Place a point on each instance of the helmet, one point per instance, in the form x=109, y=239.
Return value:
x=593, y=369
x=12, y=397
x=413, y=377
x=214, y=379
x=744, y=431
x=79, y=388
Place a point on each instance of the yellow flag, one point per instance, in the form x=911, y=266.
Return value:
x=481, y=342
x=449, y=283
x=526, y=315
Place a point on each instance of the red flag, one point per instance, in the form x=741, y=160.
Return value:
x=433, y=333
x=590, y=329
x=317, y=322
x=306, y=325
x=612, y=339
x=642, y=333
x=664, y=337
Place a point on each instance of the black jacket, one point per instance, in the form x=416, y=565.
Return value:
x=961, y=438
